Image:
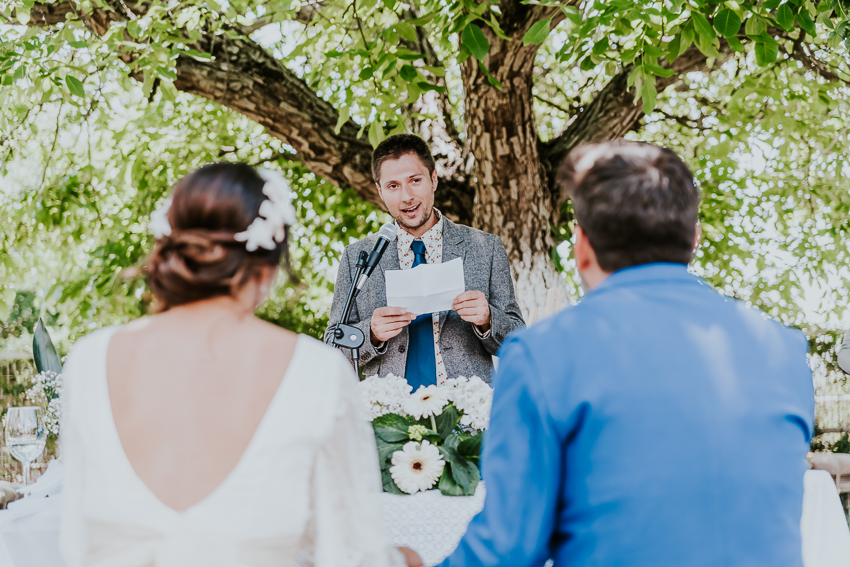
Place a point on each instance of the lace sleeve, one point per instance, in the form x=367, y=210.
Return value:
x=347, y=528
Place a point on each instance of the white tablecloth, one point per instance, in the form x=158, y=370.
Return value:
x=826, y=539
x=430, y=523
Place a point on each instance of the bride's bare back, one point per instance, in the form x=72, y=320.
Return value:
x=188, y=389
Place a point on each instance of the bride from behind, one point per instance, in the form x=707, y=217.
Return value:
x=204, y=436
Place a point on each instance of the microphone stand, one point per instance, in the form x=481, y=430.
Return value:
x=345, y=335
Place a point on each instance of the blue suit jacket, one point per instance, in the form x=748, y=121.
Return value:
x=656, y=423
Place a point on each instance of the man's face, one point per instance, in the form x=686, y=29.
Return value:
x=408, y=191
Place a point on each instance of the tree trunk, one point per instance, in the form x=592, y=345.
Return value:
x=512, y=198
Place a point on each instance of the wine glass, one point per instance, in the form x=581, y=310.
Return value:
x=25, y=435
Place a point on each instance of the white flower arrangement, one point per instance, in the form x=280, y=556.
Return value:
x=429, y=437
x=46, y=392
x=384, y=395
x=474, y=397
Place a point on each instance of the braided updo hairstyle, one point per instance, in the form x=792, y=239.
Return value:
x=200, y=258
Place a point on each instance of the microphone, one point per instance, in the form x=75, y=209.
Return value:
x=386, y=235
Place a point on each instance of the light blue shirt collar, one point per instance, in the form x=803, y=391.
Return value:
x=647, y=273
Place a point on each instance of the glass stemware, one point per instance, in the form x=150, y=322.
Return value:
x=25, y=435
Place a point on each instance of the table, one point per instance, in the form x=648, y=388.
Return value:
x=429, y=522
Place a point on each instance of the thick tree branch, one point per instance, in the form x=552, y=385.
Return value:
x=613, y=112
x=244, y=77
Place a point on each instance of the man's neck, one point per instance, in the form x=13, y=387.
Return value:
x=432, y=222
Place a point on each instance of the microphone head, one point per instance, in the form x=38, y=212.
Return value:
x=388, y=231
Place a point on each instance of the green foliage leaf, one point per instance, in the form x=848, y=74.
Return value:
x=391, y=428
x=389, y=483
x=702, y=26
x=658, y=70
x=735, y=44
x=805, y=21
x=766, y=50
x=785, y=17
x=422, y=20
x=408, y=73
x=755, y=26
x=648, y=95
x=447, y=421
x=406, y=31
x=470, y=447
x=537, y=33
x=474, y=40
x=22, y=14
x=376, y=133
x=75, y=86
x=463, y=471
x=727, y=23
x=43, y=352
x=344, y=115
x=448, y=485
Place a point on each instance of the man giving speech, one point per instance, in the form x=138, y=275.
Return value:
x=427, y=349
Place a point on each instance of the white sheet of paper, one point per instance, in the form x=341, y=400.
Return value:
x=427, y=288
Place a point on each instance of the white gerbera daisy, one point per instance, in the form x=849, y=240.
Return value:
x=417, y=467
x=426, y=401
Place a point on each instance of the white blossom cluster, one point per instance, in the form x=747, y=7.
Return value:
x=391, y=394
x=474, y=397
x=384, y=395
x=47, y=393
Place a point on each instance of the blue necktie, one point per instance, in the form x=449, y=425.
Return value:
x=421, y=368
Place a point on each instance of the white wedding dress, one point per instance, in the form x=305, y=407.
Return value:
x=304, y=492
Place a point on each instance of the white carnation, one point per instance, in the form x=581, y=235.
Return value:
x=474, y=398
x=384, y=395
x=417, y=467
x=427, y=401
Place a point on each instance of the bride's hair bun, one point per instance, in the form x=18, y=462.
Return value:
x=200, y=258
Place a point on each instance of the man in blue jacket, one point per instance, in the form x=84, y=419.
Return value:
x=656, y=423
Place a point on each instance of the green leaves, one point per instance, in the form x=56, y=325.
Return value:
x=43, y=352
x=785, y=17
x=474, y=40
x=537, y=33
x=805, y=20
x=766, y=50
x=408, y=72
x=727, y=23
x=406, y=31
x=702, y=27
x=447, y=421
x=75, y=86
x=391, y=428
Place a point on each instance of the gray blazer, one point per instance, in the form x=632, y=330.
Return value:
x=465, y=353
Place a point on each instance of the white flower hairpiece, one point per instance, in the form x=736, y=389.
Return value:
x=266, y=231
x=159, y=224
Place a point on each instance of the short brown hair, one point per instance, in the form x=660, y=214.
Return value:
x=200, y=258
x=399, y=145
x=636, y=202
